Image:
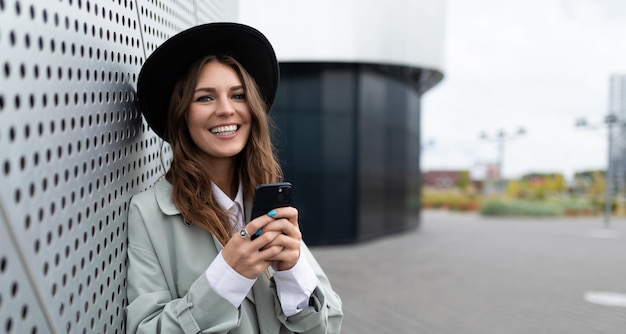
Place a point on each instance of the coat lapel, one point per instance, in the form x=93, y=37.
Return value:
x=265, y=305
x=247, y=210
x=262, y=293
x=246, y=213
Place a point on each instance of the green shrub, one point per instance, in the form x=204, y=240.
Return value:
x=520, y=208
x=578, y=207
x=598, y=204
x=449, y=200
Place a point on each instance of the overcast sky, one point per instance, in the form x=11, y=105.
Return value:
x=536, y=64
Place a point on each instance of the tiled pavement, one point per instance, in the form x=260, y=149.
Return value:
x=463, y=274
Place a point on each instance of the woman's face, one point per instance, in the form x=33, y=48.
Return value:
x=219, y=117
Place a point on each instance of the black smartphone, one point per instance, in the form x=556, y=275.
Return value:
x=268, y=197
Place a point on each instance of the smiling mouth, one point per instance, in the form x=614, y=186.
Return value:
x=224, y=130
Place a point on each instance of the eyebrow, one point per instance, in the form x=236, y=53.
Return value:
x=212, y=90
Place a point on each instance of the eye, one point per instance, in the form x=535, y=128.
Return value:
x=241, y=97
x=204, y=98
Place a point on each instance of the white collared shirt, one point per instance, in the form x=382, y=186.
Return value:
x=294, y=286
x=233, y=208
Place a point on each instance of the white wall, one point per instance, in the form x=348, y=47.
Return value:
x=73, y=150
x=398, y=32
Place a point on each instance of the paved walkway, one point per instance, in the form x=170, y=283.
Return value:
x=464, y=274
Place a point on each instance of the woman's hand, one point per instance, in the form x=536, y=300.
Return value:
x=288, y=240
x=278, y=243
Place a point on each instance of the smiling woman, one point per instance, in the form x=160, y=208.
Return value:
x=192, y=265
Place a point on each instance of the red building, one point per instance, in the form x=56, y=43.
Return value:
x=443, y=179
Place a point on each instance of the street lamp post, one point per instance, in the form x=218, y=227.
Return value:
x=501, y=138
x=610, y=120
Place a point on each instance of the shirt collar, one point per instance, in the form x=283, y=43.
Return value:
x=224, y=201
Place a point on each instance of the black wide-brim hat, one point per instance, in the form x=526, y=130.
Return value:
x=171, y=59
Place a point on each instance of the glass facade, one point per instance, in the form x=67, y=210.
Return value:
x=348, y=139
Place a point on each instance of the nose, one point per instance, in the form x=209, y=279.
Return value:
x=225, y=107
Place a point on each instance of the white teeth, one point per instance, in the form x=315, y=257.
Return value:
x=224, y=130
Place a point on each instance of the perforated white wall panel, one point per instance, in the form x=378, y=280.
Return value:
x=73, y=150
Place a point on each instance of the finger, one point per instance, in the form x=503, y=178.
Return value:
x=285, y=227
x=270, y=253
x=290, y=213
x=264, y=240
x=286, y=259
x=285, y=242
x=258, y=223
x=289, y=257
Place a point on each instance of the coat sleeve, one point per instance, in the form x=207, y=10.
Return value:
x=153, y=307
x=324, y=314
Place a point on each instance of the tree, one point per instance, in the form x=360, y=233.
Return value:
x=598, y=184
x=463, y=181
x=514, y=188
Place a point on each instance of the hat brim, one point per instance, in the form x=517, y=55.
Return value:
x=171, y=59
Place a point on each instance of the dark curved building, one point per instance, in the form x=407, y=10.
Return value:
x=348, y=109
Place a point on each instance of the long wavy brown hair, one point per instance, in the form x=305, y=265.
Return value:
x=191, y=180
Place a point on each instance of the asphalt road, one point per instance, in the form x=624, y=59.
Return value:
x=464, y=274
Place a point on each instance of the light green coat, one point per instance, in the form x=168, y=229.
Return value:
x=168, y=292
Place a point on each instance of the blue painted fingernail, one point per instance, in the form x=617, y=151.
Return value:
x=258, y=232
x=272, y=213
